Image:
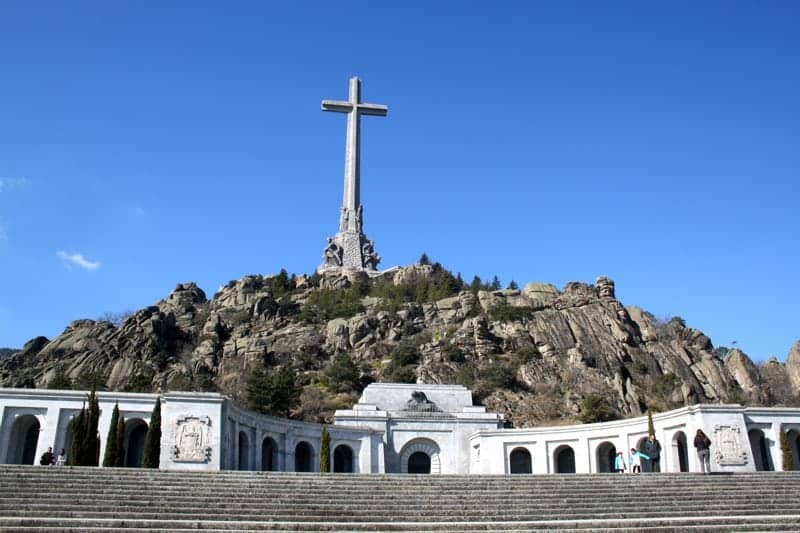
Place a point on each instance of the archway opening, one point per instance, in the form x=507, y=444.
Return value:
x=428, y=448
x=269, y=455
x=759, y=445
x=794, y=444
x=303, y=457
x=564, y=460
x=24, y=440
x=646, y=466
x=680, y=454
x=419, y=463
x=136, y=432
x=606, y=455
x=520, y=461
x=244, y=451
x=343, y=459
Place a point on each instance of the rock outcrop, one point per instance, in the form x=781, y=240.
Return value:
x=534, y=354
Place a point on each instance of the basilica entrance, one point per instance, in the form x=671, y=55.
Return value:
x=419, y=463
x=420, y=456
x=24, y=439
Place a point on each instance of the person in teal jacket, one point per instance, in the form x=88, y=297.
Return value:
x=619, y=463
x=635, y=460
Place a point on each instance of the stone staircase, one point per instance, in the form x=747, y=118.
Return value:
x=59, y=499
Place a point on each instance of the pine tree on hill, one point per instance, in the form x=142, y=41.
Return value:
x=152, y=441
x=111, y=456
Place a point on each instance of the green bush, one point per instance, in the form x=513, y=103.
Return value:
x=665, y=384
x=343, y=374
x=326, y=304
x=60, y=380
x=498, y=375
x=786, y=451
x=502, y=312
x=274, y=392
x=596, y=408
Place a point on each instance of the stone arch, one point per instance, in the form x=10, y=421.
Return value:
x=794, y=445
x=564, y=460
x=640, y=447
x=423, y=446
x=343, y=459
x=269, y=455
x=243, y=444
x=520, y=462
x=24, y=440
x=135, y=433
x=759, y=445
x=303, y=457
x=680, y=453
x=605, y=455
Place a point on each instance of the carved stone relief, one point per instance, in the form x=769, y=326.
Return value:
x=727, y=446
x=190, y=439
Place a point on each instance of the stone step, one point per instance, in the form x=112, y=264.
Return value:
x=710, y=524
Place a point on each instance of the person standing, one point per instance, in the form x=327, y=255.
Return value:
x=62, y=458
x=652, y=449
x=703, y=445
x=619, y=463
x=47, y=458
x=635, y=460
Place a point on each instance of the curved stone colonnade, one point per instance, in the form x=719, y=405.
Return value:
x=743, y=439
x=395, y=428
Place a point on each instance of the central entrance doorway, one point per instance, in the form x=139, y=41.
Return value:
x=419, y=463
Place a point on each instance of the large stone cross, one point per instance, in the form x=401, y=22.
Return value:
x=350, y=248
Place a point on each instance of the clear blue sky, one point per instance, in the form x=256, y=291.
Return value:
x=655, y=143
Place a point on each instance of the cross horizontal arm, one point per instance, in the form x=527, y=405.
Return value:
x=337, y=106
x=373, y=109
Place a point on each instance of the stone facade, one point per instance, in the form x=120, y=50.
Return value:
x=394, y=428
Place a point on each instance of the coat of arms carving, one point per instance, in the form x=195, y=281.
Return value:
x=190, y=439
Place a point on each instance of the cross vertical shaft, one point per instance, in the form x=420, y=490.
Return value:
x=350, y=248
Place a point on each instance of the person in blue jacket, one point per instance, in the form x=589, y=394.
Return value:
x=635, y=460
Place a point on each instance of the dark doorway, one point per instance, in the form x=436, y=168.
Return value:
x=303, y=454
x=760, y=448
x=269, y=455
x=565, y=460
x=136, y=429
x=606, y=456
x=244, y=451
x=343, y=459
x=24, y=440
x=679, y=441
x=419, y=463
x=520, y=461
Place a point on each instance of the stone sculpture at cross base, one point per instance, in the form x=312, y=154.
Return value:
x=350, y=249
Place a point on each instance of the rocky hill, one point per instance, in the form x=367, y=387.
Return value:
x=538, y=354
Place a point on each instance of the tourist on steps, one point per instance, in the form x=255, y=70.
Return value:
x=703, y=445
x=62, y=458
x=652, y=449
x=619, y=463
x=47, y=458
x=635, y=460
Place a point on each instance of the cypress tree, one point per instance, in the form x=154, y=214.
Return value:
x=111, y=457
x=325, y=450
x=651, y=430
x=91, y=446
x=77, y=428
x=120, y=438
x=786, y=451
x=152, y=441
